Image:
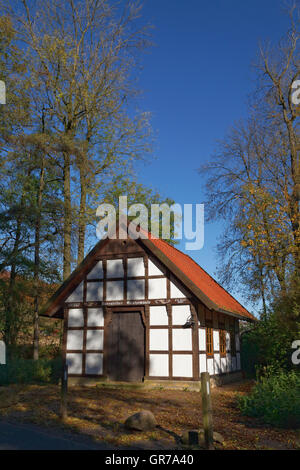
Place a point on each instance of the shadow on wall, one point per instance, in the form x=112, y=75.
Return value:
x=115, y=288
x=124, y=364
x=124, y=349
x=115, y=283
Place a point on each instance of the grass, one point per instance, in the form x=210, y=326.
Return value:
x=101, y=411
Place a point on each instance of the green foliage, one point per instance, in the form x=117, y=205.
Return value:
x=28, y=371
x=275, y=399
x=267, y=343
x=139, y=194
x=24, y=350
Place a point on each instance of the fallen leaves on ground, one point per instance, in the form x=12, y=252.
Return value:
x=100, y=412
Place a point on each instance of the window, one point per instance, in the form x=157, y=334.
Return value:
x=223, y=342
x=209, y=341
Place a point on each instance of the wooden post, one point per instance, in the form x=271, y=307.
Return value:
x=64, y=392
x=207, y=410
x=193, y=438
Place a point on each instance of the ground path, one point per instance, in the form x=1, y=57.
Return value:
x=31, y=437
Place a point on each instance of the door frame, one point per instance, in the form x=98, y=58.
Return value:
x=108, y=316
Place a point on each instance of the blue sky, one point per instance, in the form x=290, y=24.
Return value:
x=195, y=82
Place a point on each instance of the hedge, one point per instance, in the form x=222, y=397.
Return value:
x=28, y=371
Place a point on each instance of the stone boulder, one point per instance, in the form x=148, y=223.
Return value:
x=141, y=421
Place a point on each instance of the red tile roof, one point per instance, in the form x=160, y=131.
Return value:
x=205, y=288
x=201, y=279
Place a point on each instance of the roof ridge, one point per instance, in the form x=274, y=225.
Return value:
x=188, y=271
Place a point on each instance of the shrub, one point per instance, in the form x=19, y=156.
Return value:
x=28, y=371
x=275, y=399
x=266, y=343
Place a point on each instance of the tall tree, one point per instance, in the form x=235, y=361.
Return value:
x=81, y=57
x=70, y=132
x=253, y=181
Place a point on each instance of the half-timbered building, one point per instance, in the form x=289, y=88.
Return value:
x=141, y=309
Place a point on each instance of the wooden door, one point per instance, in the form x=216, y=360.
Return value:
x=126, y=347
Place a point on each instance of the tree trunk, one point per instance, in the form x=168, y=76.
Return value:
x=67, y=218
x=9, y=333
x=262, y=291
x=8, y=328
x=36, y=332
x=82, y=220
x=295, y=196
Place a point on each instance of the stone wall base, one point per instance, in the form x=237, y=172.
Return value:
x=216, y=381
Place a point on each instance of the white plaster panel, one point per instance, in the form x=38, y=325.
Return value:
x=202, y=339
x=157, y=288
x=94, y=291
x=180, y=314
x=74, y=362
x=75, y=339
x=223, y=364
x=237, y=342
x=233, y=363
x=216, y=336
x=135, y=289
x=159, y=340
x=159, y=365
x=94, y=339
x=76, y=295
x=114, y=290
x=217, y=364
x=238, y=361
x=175, y=292
x=202, y=363
x=96, y=272
x=153, y=270
x=182, y=339
x=94, y=364
x=182, y=365
x=75, y=317
x=158, y=315
x=115, y=268
x=210, y=366
x=95, y=317
x=135, y=267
